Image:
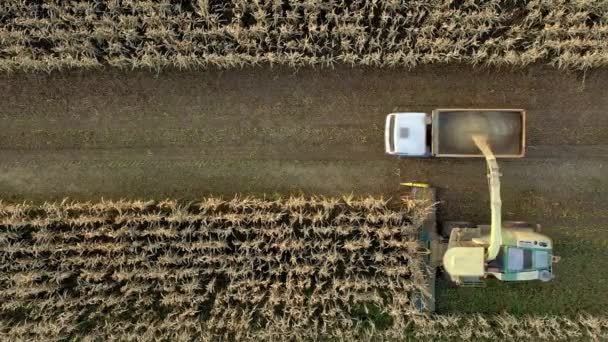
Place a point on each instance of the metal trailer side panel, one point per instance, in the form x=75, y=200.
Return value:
x=436, y=147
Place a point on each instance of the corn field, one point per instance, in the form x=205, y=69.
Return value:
x=242, y=268
x=510, y=328
x=189, y=34
x=233, y=269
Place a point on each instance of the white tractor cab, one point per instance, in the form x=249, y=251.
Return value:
x=509, y=250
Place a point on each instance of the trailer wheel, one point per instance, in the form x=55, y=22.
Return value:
x=448, y=226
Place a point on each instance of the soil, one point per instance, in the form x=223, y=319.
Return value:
x=136, y=134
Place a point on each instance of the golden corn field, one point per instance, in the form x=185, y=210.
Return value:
x=238, y=268
x=507, y=327
x=189, y=34
x=299, y=267
x=243, y=268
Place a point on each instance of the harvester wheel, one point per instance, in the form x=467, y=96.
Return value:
x=448, y=226
x=443, y=280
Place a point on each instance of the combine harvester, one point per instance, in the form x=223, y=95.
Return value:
x=467, y=253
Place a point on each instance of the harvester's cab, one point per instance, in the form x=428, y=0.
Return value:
x=524, y=254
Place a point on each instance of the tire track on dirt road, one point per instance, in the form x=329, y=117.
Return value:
x=183, y=134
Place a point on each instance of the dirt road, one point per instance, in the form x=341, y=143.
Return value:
x=114, y=134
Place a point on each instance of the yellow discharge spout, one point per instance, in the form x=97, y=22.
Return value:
x=495, y=203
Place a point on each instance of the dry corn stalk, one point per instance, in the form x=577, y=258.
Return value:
x=231, y=268
x=194, y=34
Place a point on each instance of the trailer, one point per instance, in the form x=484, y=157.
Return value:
x=447, y=132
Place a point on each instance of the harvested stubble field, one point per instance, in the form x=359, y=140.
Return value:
x=190, y=34
x=266, y=269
